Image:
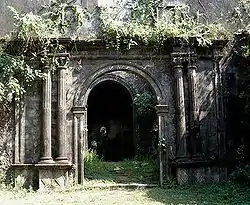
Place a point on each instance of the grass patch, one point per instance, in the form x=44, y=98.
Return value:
x=128, y=171
x=215, y=194
x=222, y=194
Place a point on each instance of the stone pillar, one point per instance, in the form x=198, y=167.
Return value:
x=85, y=131
x=163, y=145
x=193, y=109
x=61, y=118
x=46, y=157
x=75, y=145
x=180, y=112
x=80, y=151
x=80, y=135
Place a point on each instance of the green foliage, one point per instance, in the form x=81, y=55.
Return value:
x=242, y=18
x=124, y=26
x=142, y=170
x=145, y=104
x=145, y=27
x=222, y=194
x=245, y=50
x=15, y=77
x=216, y=194
x=37, y=37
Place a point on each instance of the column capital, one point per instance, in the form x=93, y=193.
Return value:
x=161, y=109
x=178, y=58
x=62, y=59
x=79, y=110
x=192, y=67
x=62, y=67
x=46, y=69
x=178, y=66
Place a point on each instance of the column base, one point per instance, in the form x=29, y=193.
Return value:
x=53, y=176
x=25, y=176
x=62, y=160
x=46, y=160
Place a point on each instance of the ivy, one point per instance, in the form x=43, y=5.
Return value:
x=145, y=104
x=177, y=22
x=21, y=64
x=15, y=77
x=128, y=24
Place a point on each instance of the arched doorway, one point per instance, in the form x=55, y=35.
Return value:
x=110, y=121
x=111, y=73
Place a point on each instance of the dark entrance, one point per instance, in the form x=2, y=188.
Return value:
x=110, y=121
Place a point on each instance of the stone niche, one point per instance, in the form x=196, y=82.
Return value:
x=52, y=128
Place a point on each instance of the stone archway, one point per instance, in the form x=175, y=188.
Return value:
x=84, y=89
x=110, y=107
x=81, y=99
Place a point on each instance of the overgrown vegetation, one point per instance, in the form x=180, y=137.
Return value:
x=36, y=40
x=124, y=26
x=147, y=27
x=147, y=131
x=138, y=170
x=221, y=194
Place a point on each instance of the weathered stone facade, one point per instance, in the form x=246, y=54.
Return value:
x=212, y=10
x=185, y=82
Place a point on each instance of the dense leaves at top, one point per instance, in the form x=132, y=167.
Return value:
x=127, y=24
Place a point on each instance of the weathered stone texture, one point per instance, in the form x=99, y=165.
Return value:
x=55, y=177
x=206, y=106
x=137, y=71
x=25, y=177
x=32, y=124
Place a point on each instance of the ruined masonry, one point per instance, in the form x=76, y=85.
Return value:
x=185, y=81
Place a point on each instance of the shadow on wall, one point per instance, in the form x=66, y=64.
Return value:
x=6, y=142
x=238, y=113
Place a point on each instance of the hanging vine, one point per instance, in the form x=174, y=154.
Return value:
x=37, y=36
x=177, y=22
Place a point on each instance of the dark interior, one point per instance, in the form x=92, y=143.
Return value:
x=110, y=105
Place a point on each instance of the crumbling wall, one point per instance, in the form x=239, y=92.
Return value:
x=211, y=10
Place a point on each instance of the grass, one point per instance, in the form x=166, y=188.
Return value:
x=140, y=170
x=222, y=194
x=128, y=171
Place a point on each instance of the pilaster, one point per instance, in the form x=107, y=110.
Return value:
x=46, y=157
x=79, y=135
x=163, y=145
x=180, y=111
x=61, y=119
x=193, y=111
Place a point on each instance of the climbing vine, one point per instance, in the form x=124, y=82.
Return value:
x=145, y=27
x=35, y=38
x=131, y=23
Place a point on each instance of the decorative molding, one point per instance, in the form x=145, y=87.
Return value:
x=178, y=58
x=80, y=110
x=114, y=78
x=161, y=109
x=118, y=66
